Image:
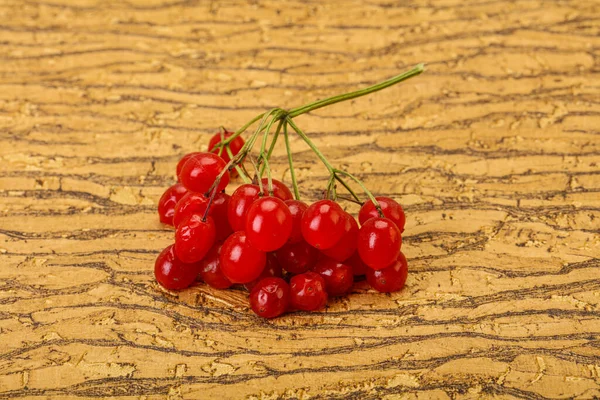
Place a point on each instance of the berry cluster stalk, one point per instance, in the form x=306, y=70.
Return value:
x=285, y=119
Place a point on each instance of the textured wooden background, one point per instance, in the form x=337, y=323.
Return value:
x=494, y=151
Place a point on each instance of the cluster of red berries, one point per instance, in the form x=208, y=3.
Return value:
x=289, y=255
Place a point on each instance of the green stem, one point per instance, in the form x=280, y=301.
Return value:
x=352, y=95
x=311, y=145
x=364, y=188
x=348, y=188
x=290, y=161
x=273, y=142
x=243, y=129
x=241, y=172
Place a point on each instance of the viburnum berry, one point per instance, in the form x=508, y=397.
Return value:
x=235, y=145
x=389, y=279
x=359, y=268
x=297, y=258
x=172, y=273
x=200, y=172
x=379, y=242
x=168, y=201
x=194, y=237
x=297, y=209
x=390, y=208
x=239, y=204
x=191, y=203
x=346, y=246
x=280, y=190
x=272, y=269
x=268, y=224
x=183, y=160
x=323, y=224
x=210, y=271
x=308, y=292
x=240, y=261
x=218, y=211
x=338, y=276
x=270, y=297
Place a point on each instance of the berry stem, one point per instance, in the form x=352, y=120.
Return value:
x=240, y=171
x=311, y=145
x=290, y=161
x=273, y=142
x=358, y=93
x=364, y=188
x=348, y=188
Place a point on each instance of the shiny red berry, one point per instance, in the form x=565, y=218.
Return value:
x=240, y=261
x=239, y=204
x=308, y=292
x=270, y=297
x=235, y=145
x=280, y=190
x=391, y=210
x=191, y=203
x=346, y=246
x=359, y=268
x=323, y=224
x=210, y=271
x=297, y=209
x=218, y=211
x=338, y=276
x=167, y=202
x=272, y=269
x=297, y=258
x=268, y=224
x=172, y=273
x=390, y=279
x=201, y=170
x=379, y=242
x=183, y=160
x=194, y=237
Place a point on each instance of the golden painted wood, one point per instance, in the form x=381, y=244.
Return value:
x=494, y=152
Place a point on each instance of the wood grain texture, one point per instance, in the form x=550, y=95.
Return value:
x=494, y=152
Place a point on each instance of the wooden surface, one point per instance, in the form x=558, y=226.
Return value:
x=494, y=152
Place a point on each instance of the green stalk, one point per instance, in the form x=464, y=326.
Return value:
x=352, y=95
x=290, y=161
x=311, y=145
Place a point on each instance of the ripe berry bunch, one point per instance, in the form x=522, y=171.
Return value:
x=288, y=254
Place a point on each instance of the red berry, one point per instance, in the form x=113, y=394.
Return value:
x=308, y=291
x=172, y=273
x=210, y=271
x=338, y=276
x=268, y=224
x=270, y=297
x=297, y=209
x=183, y=160
x=191, y=203
x=297, y=257
x=194, y=237
x=391, y=209
x=390, y=279
x=379, y=242
x=239, y=204
x=240, y=261
x=323, y=224
x=272, y=269
x=235, y=145
x=279, y=189
x=167, y=202
x=346, y=246
x=201, y=170
x=218, y=211
x=358, y=266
